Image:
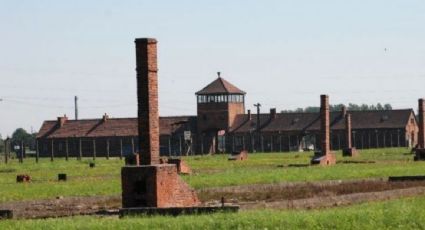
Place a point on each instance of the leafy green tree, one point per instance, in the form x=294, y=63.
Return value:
x=338, y=107
x=21, y=135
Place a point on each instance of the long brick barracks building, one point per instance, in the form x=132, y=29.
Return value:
x=222, y=125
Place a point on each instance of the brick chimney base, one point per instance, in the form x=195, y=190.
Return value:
x=155, y=186
x=419, y=155
x=239, y=156
x=324, y=160
x=350, y=152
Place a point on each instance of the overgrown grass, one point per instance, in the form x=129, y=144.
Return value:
x=397, y=214
x=210, y=171
x=216, y=171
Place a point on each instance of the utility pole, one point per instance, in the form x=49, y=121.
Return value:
x=76, y=107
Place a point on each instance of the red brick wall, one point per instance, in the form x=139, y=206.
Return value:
x=155, y=186
x=348, y=130
x=324, y=124
x=147, y=97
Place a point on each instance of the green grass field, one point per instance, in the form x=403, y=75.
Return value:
x=397, y=214
x=217, y=171
x=210, y=171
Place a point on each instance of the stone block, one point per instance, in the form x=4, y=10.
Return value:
x=6, y=214
x=23, y=178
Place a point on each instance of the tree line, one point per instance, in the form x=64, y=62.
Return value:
x=19, y=136
x=338, y=107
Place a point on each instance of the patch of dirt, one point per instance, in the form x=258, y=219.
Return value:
x=299, y=195
x=301, y=190
x=62, y=206
x=334, y=201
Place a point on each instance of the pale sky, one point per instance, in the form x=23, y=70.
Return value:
x=284, y=54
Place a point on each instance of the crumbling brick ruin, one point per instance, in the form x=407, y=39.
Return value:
x=182, y=166
x=325, y=156
x=420, y=148
x=151, y=184
x=350, y=151
x=239, y=156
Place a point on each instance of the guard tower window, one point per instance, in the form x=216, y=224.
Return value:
x=220, y=98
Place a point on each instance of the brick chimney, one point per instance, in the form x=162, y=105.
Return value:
x=62, y=120
x=147, y=99
x=348, y=130
x=249, y=115
x=105, y=117
x=273, y=113
x=324, y=124
x=421, y=134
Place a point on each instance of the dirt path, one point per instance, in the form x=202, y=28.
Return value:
x=67, y=206
x=300, y=195
x=334, y=201
x=302, y=190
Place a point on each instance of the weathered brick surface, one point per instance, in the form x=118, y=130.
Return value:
x=325, y=157
x=324, y=124
x=147, y=98
x=151, y=184
x=349, y=151
x=182, y=166
x=155, y=186
x=348, y=130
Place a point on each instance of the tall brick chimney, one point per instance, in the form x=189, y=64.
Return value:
x=147, y=99
x=324, y=124
x=151, y=184
x=421, y=134
x=249, y=115
x=325, y=156
x=348, y=130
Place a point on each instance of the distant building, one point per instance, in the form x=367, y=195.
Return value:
x=222, y=125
